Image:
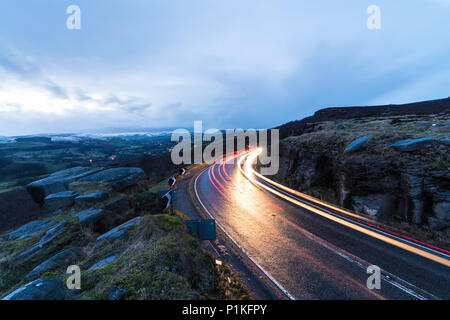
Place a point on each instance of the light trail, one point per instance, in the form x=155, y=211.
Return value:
x=248, y=172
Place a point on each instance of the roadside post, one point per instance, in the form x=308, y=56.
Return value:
x=170, y=196
x=204, y=229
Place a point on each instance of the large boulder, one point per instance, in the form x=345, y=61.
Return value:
x=357, y=144
x=120, y=231
x=89, y=216
x=40, y=289
x=57, y=182
x=118, y=178
x=91, y=198
x=62, y=259
x=48, y=237
x=409, y=145
x=105, y=261
x=60, y=200
x=31, y=229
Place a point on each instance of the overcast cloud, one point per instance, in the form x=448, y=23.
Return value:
x=154, y=63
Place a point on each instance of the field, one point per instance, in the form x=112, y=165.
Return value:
x=28, y=159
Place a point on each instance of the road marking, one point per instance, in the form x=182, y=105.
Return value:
x=237, y=245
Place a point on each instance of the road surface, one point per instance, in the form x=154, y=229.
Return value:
x=313, y=251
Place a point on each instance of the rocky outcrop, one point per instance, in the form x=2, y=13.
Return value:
x=48, y=237
x=40, y=289
x=84, y=233
x=60, y=200
x=91, y=198
x=120, y=231
x=62, y=259
x=410, y=145
x=357, y=144
x=89, y=216
x=31, y=229
x=105, y=261
x=118, y=178
x=391, y=178
x=57, y=182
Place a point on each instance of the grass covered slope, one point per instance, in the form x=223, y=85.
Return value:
x=158, y=259
x=127, y=248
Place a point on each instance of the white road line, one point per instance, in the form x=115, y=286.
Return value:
x=237, y=245
x=406, y=241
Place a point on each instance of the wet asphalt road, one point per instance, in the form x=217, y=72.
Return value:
x=309, y=256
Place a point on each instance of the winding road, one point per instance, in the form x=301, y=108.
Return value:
x=310, y=249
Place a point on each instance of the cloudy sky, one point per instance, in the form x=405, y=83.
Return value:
x=230, y=63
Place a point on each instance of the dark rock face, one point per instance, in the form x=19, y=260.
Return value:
x=105, y=261
x=57, y=182
x=378, y=206
x=119, y=205
x=118, y=178
x=383, y=188
x=120, y=231
x=60, y=200
x=17, y=208
x=147, y=202
x=89, y=216
x=40, y=289
x=30, y=229
x=48, y=237
x=64, y=258
x=91, y=198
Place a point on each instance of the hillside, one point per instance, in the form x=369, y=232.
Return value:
x=332, y=114
x=108, y=222
x=388, y=163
